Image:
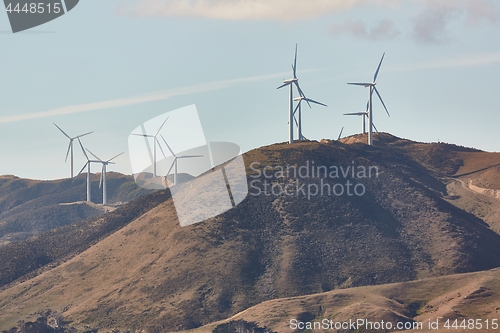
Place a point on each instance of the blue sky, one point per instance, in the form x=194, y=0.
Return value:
x=108, y=66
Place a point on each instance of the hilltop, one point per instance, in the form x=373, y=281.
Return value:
x=152, y=274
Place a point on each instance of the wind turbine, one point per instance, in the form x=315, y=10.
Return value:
x=363, y=115
x=372, y=87
x=70, y=146
x=290, y=83
x=88, y=170
x=102, y=182
x=299, y=108
x=174, y=163
x=155, y=141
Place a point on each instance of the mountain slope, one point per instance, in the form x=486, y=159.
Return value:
x=459, y=296
x=28, y=207
x=155, y=275
x=24, y=259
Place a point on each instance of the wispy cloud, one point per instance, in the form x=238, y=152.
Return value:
x=283, y=10
x=383, y=30
x=145, y=98
x=468, y=60
x=429, y=21
x=431, y=24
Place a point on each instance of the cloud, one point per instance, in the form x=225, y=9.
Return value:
x=431, y=24
x=463, y=61
x=282, y=10
x=151, y=97
x=384, y=30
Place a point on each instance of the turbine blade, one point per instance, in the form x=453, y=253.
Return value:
x=295, y=63
x=313, y=101
x=340, y=134
x=69, y=148
x=83, y=150
x=375, y=127
x=62, y=131
x=84, y=166
x=94, y=155
x=161, y=149
x=381, y=101
x=378, y=68
x=301, y=92
x=190, y=156
x=284, y=84
x=355, y=114
x=112, y=158
x=296, y=123
x=159, y=129
x=171, y=151
x=79, y=136
x=364, y=84
x=368, y=104
x=143, y=135
x=296, y=108
x=171, y=166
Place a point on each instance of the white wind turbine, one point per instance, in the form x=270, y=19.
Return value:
x=87, y=165
x=102, y=182
x=155, y=141
x=363, y=115
x=290, y=83
x=299, y=109
x=174, y=163
x=70, y=146
x=372, y=87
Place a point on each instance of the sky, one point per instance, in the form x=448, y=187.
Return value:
x=109, y=66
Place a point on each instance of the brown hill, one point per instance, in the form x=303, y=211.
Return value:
x=155, y=275
x=460, y=296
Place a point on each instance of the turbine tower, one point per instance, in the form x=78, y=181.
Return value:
x=70, y=146
x=155, y=141
x=174, y=163
x=290, y=83
x=299, y=108
x=372, y=87
x=102, y=181
x=87, y=164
